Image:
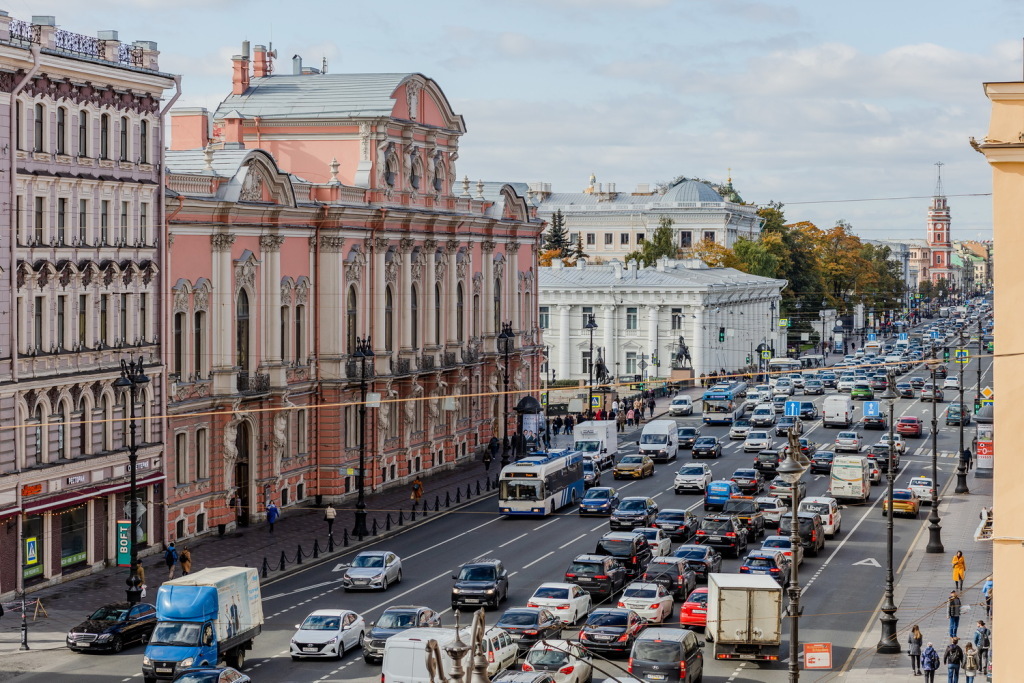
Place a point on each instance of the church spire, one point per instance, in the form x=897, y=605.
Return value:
x=938, y=179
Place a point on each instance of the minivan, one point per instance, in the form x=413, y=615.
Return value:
x=681, y=405
x=718, y=492
x=812, y=531
x=663, y=654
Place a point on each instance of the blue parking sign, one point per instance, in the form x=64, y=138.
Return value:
x=792, y=409
x=872, y=336
x=903, y=336
x=872, y=409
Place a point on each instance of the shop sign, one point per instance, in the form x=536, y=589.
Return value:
x=139, y=466
x=77, y=479
x=31, y=489
x=124, y=543
x=818, y=656
x=72, y=559
x=29, y=572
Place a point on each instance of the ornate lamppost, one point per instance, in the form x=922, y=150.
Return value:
x=591, y=326
x=506, y=340
x=934, y=529
x=791, y=471
x=961, y=468
x=363, y=351
x=888, y=644
x=130, y=382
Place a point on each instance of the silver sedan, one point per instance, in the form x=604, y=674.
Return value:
x=373, y=570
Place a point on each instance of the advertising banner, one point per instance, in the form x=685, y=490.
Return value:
x=124, y=543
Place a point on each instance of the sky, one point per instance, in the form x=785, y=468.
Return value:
x=822, y=106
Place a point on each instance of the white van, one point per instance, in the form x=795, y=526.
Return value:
x=405, y=660
x=659, y=439
x=850, y=478
x=837, y=411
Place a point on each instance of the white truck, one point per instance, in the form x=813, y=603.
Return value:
x=744, y=616
x=837, y=411
x=596, y=439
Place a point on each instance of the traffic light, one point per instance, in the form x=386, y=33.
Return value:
x=721, y=334
x=945, y=353
x=748, y=360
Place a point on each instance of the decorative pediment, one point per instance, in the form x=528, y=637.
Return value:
x=258, y=180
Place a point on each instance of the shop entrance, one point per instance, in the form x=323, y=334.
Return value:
x=243, y=487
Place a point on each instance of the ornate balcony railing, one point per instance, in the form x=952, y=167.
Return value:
x=403, y=366
x=252, y=384
x=354, y=368
x=449, y=359
x=470, y=355
x=79, y=44
x=427, y=363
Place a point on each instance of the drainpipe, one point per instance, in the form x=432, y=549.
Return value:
x=12, y=146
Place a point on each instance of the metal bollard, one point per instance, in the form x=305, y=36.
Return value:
x=387, y=523
x=478, y=487
x=316, y=548
x=298, y=555
x=265, y=569
x=284, y=562
x=469, y=491
x=412, y=515
x=458, y=496
x=330, y=543
x=401, y=516
x=345, y=538
x=437, y=503
x=447, y=499
x=373, y=530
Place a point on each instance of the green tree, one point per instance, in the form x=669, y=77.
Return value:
x=556, y=237
x=758, y=257
x=661, y=243
x=577, y=252
x=926, y=289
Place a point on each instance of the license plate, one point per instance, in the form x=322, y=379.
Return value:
x=700, y=611
x=472, y=600
x=309, y=649
x=83, y=644
x=667, y=526
x=656, y=677
x=165, y=671
x=604, y=637
x=714, y=538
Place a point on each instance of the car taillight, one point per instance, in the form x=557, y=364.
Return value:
x=730, y=534
x=701, y=533
x=621, y=604
x=654, y=606
x=490, y=658
x=682, y=670
x=744, y=568
x=566, y=669
x=530, y=632
x=532, y=604
x=562, y=607
x=571, y=576
x=814, y=535
x=629, y=667
x=624, y=637
x=599, y=576
x=679, y=577
x=633, y=559
x=774, y=570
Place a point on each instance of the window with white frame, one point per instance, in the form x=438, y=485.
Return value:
x=632, y=317
x=202, y=453
x=677, y=318
x=181, y=458
x=631, y=362
x=586, y=357
x=544, y=317
x=588, y=311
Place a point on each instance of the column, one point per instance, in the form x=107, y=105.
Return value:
x=512, y=286
x=429, y=300
x=270, y=252
x=607, y=326
x=405, y=294
x=698, y=340
x=451, y=247
x=380, y=248
x=652, y=338
x=487, y=305
x=564, y=366
x=222, y=323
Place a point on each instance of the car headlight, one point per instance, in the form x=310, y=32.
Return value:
x=146, y=661
x=104, y=637
x=489, y=591
x=378, y=578
x=332, y=640
x=455, y=591
x=187, y=662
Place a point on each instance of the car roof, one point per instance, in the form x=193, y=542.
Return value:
x=643, y=584
x=819, y=499
x=372, y=553
x=555, y=584
x=590, y=558
x=329, y=613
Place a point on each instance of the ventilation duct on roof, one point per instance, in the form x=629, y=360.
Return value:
x=297, y=65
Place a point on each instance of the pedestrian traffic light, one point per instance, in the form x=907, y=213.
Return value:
x=721, y=334
x=945, y=353
x=748, y=360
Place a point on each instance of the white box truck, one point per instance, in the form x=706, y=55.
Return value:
x=596, y=439
x=744, y=616
x=659, y=439
x=837, y=411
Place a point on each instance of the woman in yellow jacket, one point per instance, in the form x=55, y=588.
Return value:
x=959, y=569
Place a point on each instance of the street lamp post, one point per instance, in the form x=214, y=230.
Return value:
x=505, y=347
x=934, y=529
x=363, y=351
x=961, y=466
x=888, y=644
x=132, y=380
x=791, y=472
x=591, y=326
x=824, y=302
x=551, y=377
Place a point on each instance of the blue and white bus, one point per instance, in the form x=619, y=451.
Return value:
x=541, y=483
x=723, y=402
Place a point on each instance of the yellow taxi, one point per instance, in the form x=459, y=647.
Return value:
x=904, y=502
x=633, y=467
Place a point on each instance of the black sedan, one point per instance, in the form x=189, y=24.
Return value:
x=702, y=559
x=906, y=389
x=113, y=627
x=821, y=463
x=633, y=512
x=687, y=435
x=527, y=625
x=679, y=525
x=610, y=630
x=875, y=422
x=707, y=447
x=749, y=480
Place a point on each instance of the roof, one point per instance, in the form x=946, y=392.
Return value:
x=691, y=191
x=225, y=162
x=322, y=96
x=674, y=275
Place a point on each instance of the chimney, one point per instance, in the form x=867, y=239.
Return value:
x=190, y=128
x=260, y=63
x=557, y=263
x=297, y=65
x=240, y=71
x=616, y=265
x=233, y=122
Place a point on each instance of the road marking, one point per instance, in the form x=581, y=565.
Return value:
x=597, y=527
x=513, y=540
x=564, y=545
x=546, y=523
x=452, y=538
x=869, y=562
x=542, y=557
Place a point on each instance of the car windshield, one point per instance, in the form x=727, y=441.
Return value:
x=776, y=543
x=588, y=446
x=598, y=494
x=768, y=503
x=519, y=490
x=706, y=441
x=672, y=516
x=741, y=423
x=759, y=562
x=552, y=658
x=109, y=614
x=184, y=633
x=608, y=619
x=552, y=593
x=632, y=460
x=476, y=574
x=588, y=467
x=715, y=525
x=649, y=534
x=616, y=547
x=518, y=618
x=766, y=456
x=686, y=431
x=750, y=474
x=700, y=598
x=740, y=506
x=655, y=568
x=656, y=650
x=692, y=470
x=902, y=495
x=632, y=505
x=639, y=593
x=653, y=438
x=921, y=482
x=198, y=677
x=396, y=620
x=321, y=622
x=908, y=420
x=847, y=435
x=368, y=561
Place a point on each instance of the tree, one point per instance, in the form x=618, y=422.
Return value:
x=758, y=257
x=548, y=255
x=556, y=237
x=661, y=243
x=577, y=252
x=712, y=253
x=926, y=289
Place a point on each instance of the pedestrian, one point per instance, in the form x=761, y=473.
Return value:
x=971, y=662
x=929, y=663
x=330, y=514
x=185, y=560
x=652, y=405
x=140, y=578
x=239, y=517
x=615, y=406
x=959, y=569
x=986, y=591
x=914, y=649
x=493, y=446
x=953, y=611
x=272, y=514
x=170, y=559
x=953, y=657
x=620, y=421
x=630, y=416
x=417, y=490
x=557, y=424
x=982, y=643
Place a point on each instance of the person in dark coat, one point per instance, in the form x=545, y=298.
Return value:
x=929, y=663
x=953, y=611
x=914, y=642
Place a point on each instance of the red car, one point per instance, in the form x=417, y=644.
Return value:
x=909, y=426
x=694, y=612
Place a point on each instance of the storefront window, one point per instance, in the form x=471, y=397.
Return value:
x=74, y=536
x=34, y=543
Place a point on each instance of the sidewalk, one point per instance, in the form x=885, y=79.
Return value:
x=923, y=588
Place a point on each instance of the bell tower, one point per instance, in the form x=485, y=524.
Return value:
x=939, y=242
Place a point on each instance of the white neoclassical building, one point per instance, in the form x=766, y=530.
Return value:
x=643, y=315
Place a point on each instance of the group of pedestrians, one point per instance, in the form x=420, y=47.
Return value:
x=971, y=657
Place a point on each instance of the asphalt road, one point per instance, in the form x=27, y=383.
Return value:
x=841, y=587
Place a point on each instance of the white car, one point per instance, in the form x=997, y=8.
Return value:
x=661, y=544
x=372, y=570
x=650, y=600
x=763, y=415
x=845, y=383
x=848, y=442
x=757, y=441
x=951, y=382
x=783, y=545
x=681, y=405
x=694, y=477
x=798, y=381
x=922, y=486
x=901, y=445
x=328, y=633
x=739, y=429
x=565, y=661
x=567, y=601
x=773, y=509
x=784, y=387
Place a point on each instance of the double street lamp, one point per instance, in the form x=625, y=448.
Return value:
x=506, y=340
x=791, y=471
x=364, y=350
x=934, y=529
x=130, y=382
x=888, y=644
x=961, y=468
x=591, y=325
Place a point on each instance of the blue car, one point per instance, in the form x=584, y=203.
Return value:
x=600, y=500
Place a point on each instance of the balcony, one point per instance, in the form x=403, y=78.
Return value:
x=252, y=384
x=403, y=366
x=449, y=359
x=354, y=368
x=427, y=363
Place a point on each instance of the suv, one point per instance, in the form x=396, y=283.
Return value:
x=630, y=549
x=786, y=423
x=395, y=619
x=692, y=477
x=672, y=573
x=677, y=524
x=667, y=655
x=480, y=582
x=723, y=531
x=686, y=436
x=812, y=531
x=739, y=429
x=599, y=575
x=771, y=563
x=767, y=461
x=748, y=512
x=821, y=463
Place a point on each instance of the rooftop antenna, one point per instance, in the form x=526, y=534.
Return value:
x=323, y=68
x=938, y=182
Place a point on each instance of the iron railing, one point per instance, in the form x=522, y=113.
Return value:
x=252, y=384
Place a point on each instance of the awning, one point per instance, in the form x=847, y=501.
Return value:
x=65, y=498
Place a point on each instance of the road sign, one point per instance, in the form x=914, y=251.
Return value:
x=872, y=336
x=818, y=655
x=903, y=336
x=986, y=401
x=595, y=401
x=783, y=322
x=766, y=355
x=872, y=409
x=935, y=334
x=963, y=356
x=987, y=392
x=792, y=409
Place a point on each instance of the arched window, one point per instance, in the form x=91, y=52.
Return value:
x=497, y=305
x=178, y=360
x=144, y=142
x=62, y=130
x=286, y=331
x=19, y=124
x=83, y=133
x=61, y=425
x=105, y=136
x=242, y=331
x=84, y=428
x=108, y=423
x=414, y=309
x=351, y=319
x=198, y=345
x=37, y=129
x=437, y=313
x=476, y=316
x=389, y=319
x=460, y=312
x=38, y=445
x=124, y=138
x=300, y=334
x=525, y=311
